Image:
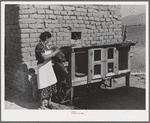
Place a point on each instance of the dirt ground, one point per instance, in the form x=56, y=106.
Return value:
x=112, y=98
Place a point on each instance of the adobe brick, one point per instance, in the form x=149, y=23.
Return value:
x=24, y=55
x=65, y=25
x=23, y=16
x=80, y=18
x=24, y=44
x=36, y=26
x=52, y=16
x=81, y=10
x=33, y=16
x=40, y=30
x=66, y=17
x=28, y=30
x=49, y=11
x=24, y=50
x=41, y=11
x=76, y=13
x=41, y=6
x=24, y=35
x=41, y=16
x=61, y=42
x=70, y=13
x=82, y=25
x=68, y=8
x=53, y=7
x=34, y=35
x=89, y=14
x=24, y=6
x=33, y=44
x=55, y=30
x=63, y=13
x=83, y=14
x=59, y=17
x=57, y=25
x=27, y=11
x=91, y=18
x=56, y=12
x=92, y=10
x=59, y=38
x=39, y=21
x=73, y=17
x=23, y=25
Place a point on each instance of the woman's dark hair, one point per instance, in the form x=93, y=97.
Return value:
x=31, y=70
x=44, y=35
x=48, y=34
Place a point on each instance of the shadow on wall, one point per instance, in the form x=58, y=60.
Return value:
x=17, y=51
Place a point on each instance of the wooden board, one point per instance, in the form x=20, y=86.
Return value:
x=90, y=65
x=116, y=61
x=103, y=58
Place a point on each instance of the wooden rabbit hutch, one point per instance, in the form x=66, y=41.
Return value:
x=95, y=64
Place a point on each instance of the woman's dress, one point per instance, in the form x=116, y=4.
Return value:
x=45, y=73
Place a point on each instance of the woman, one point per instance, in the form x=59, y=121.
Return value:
x=46, y=77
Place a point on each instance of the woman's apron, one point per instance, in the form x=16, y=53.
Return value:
x=45, y=74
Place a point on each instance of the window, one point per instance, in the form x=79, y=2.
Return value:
x=75, y=35
x=110, y=67
x=97, y=69
x=110, y=53
x=97, y=55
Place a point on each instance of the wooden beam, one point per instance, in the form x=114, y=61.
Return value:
x=116, y=61
x=71, y=74
x=103, y=60
x=90, y=65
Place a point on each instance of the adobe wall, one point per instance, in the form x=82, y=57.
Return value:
x=98, y=24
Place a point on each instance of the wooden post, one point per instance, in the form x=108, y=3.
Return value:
x=72, y=75
x=103, y=60
x=90, y=65
x=127, y=83
x=116, y=61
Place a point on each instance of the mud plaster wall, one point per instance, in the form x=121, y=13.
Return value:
x=98, y=24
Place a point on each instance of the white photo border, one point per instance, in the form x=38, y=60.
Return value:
x=65, y=115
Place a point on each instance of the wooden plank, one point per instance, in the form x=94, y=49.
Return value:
x=116, y=61
x=97, y=62
x=106, y=64
x=72, y=66
x=90, y=65
x=79, y=83
x=110, y=60
x=137, y=74
x=71, y=95
x=71, y=74
x=123, y=71
x=103, y=60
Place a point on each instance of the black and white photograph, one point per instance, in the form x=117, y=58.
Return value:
x=74, y=61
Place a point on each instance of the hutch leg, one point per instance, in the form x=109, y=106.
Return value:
x=127, y=83
x=71, y=95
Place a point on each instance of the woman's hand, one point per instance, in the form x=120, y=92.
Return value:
x=49, y=56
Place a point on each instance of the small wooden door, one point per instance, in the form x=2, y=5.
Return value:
x=94, y=64
x=112, y=61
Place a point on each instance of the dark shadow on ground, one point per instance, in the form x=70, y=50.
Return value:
x=116, y=99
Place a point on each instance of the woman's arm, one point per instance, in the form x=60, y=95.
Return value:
x=49, y=56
